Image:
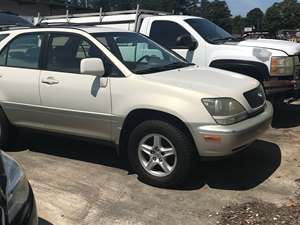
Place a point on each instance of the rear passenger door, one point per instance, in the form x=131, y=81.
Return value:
x=19, y=79
x=74, y=103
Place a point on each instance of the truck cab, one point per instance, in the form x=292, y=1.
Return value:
x=275, y=63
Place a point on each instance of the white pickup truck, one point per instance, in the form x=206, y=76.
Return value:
x=274, y=63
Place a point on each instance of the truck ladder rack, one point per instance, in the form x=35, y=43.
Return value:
x=101, y=14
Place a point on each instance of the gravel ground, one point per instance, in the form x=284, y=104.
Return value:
x=259, y=212
x=262, y=213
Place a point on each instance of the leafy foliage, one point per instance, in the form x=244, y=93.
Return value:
x=255, y=18
x=283, y=15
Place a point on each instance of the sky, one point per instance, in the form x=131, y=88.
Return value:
x=242, y=7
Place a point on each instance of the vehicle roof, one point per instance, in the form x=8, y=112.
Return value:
x=182, y=17
x=88, y=29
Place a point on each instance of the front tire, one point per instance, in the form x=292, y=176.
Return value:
x=160, y=153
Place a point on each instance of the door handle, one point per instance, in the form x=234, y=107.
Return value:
x=50, y=81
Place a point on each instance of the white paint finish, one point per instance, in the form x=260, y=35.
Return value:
x=208, y=81
x=88, y=104
x=20, y=86
x=178, y=92
x=92, y=66
x=291, y=48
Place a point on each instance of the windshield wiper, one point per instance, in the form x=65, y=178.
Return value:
x=171, y=66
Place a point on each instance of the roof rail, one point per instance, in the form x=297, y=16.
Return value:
x=14, y=27
x=57, y=24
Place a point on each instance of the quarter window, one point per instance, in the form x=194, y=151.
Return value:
x=24, y=52
x=166, y=33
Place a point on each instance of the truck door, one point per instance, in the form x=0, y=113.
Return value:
x=168, y=33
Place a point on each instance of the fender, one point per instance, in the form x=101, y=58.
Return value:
x=253, y=69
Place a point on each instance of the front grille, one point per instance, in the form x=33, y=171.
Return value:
x=256, y=97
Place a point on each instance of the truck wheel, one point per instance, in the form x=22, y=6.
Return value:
x=7, y=132
x=160, y=153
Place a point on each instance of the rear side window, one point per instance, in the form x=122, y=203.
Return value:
x=22, y=52
x=166, y=33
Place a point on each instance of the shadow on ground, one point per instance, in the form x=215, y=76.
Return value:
x=44, y=222
x=286, y=116
x=243, y=171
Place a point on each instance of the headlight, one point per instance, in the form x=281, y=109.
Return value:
x=225, y=111
x=282, y=65
x=17, y=189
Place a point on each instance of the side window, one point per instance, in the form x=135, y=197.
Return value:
x=66, y=52
x=24, y=52
x=166, y=33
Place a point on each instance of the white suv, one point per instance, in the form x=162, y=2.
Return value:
x=125, y=89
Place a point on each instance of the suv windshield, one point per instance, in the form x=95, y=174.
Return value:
x=209, y=31
x=140, y=54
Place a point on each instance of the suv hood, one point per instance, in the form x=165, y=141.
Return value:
x=288, y=47
x=208, y=81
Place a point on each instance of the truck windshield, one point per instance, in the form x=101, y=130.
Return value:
x=140, y=54
x=209, y=31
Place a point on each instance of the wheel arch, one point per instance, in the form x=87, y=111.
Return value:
x=253, y=69
x=137, y=116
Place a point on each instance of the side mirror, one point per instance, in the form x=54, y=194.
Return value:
x=92, y=66
x=186, y=42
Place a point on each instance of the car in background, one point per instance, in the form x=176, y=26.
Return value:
x=17, y=203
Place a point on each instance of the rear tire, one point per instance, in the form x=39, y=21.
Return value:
x=161, y=154
x=8, y=133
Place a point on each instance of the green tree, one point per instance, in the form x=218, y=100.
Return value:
x=283, y=15
x=255, y=18
x=238, y=24
x=218, y=12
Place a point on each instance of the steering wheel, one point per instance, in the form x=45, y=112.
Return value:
x=147, y=57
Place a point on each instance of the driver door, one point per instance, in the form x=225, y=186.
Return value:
x=167, y=33
x=74, y=103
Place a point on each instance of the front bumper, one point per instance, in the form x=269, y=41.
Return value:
x=230, y=139
x=284, y=88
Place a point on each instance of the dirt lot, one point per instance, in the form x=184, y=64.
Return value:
x=77, y=182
